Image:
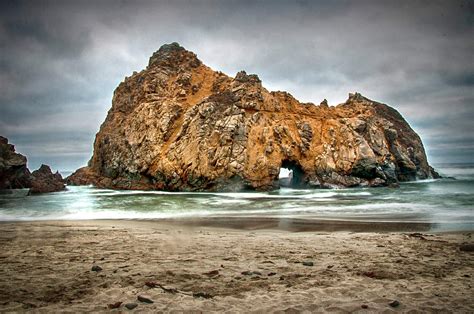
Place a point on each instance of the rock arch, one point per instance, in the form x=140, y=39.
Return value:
x=180, y=126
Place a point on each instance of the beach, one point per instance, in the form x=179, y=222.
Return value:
x=207, y=265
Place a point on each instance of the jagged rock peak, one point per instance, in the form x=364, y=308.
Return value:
x=171, y=48
x=243, y=77
x=173, y=55
x=43, y=180
x=356, y=97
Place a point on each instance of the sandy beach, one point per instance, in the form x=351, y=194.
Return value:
x=197, y=266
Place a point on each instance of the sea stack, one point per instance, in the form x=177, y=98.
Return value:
x=178, y=125
x=44, y=180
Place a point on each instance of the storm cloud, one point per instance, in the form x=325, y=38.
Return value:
x=60, y=61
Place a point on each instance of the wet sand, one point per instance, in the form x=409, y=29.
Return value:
x=301, y=224
x=232, y=265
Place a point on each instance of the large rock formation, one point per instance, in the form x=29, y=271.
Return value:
x=14, y=173
x=179, y=125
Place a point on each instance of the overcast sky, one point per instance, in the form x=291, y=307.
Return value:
x=60, y=62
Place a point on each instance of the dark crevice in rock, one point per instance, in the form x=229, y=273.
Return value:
x=297, y=176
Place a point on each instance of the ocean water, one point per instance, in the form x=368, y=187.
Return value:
x=446, y=203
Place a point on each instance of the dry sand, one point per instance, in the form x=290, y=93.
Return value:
x=46, y=267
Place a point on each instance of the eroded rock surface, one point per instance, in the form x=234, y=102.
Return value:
x=14, y=173
x=179, y=125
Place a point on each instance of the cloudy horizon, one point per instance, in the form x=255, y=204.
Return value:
x=61, y=62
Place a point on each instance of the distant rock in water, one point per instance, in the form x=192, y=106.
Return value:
x=13, y=171
x=44, y=181
x=180, y=126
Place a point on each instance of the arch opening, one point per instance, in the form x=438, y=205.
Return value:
x=291, y=174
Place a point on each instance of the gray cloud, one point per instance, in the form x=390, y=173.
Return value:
x=61, y=61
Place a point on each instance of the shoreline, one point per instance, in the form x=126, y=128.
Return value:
x=287, y=224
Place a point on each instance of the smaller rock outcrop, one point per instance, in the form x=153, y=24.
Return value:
x=13, y=171
x=44, y=180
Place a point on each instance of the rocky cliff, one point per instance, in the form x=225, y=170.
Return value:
x=14, y=173
x=178, y=125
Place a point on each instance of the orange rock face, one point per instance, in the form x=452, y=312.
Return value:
x=180, y=126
